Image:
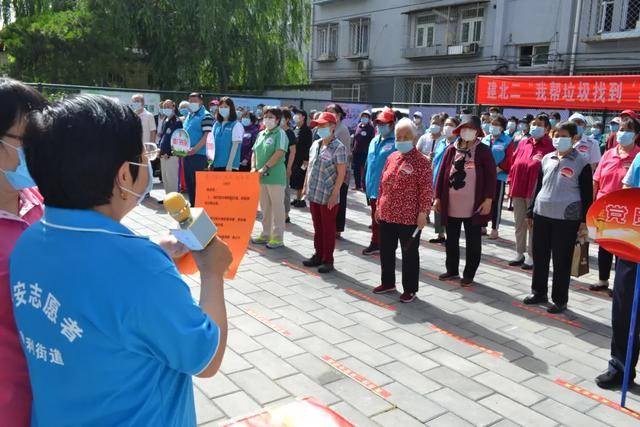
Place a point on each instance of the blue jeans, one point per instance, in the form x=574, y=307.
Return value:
x=193, y=164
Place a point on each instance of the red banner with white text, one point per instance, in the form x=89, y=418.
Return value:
x=558, y=92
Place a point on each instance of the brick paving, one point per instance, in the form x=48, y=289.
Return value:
x=453, y=357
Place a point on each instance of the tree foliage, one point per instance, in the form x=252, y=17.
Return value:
x=184, y=44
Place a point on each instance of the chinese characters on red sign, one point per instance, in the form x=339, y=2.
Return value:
x=589, y=92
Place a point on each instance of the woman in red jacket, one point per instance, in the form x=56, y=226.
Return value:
x=464, y=194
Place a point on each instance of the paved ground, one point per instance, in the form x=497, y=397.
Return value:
x=454, y=357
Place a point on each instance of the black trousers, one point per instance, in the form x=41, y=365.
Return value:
x=496, y=209
x=359, y=160
x=193, y=164
x=342, y=209
x=623, y=287
x=605, y=261
x=473, y=237
x=553, y=239
x=390, y=233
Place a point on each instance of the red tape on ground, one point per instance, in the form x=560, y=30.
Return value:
x=598, y=398
x=303, y=270
x=265, y=321
x=544, y=313
x=467, y=341
x=370, y=299
x=356, y=377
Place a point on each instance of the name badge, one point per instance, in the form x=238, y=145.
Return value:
x=269, y=141
x=387, y=147
x=567, y=172
x=407, y=168
x=470, y=164
x=583, y=149
x=363, y=133
x=499, y=147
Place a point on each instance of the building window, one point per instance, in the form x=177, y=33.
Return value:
x=533, y=55
x=632, y=14
x=425, y=30
x=349, y=92
x=359, y=37
x=471, y=29
x=605, y=15
x=465, y=91
x=421, y=92
x=327, y=41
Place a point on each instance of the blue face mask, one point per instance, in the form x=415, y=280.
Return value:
x=511, y=126
x=258, y=113
x=522, y=127
x=587, y=132
x=486, y=127
x=625, y=138
x=224, y=111
x=324, y=133
x=562, y=144
x=184, y=112
x=135, y=106
x=595, y=131
x=404, y=146
x=147, y=190
x=246, y=122
x=614, y=127
x=194, y=107
x=580, y=130
x=537, y=131
x=166, y=112
x=19, y=178
x=553, y=122
x=364, y=120
x=383, y=130
x=495, y=130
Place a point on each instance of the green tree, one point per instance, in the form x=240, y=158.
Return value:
x=213, y=44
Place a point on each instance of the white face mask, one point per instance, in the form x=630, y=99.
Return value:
x=270, y=123
x=447, y=131
x=468, y=134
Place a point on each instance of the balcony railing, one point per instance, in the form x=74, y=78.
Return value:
x=433, y=51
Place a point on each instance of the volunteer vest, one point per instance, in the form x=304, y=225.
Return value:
x=222, y=133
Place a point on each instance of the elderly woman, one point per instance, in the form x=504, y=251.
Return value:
x=105, y=333
x=20, y=206
x=404, y=199
x=464, y=194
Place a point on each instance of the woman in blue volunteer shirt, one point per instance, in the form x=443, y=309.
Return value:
x=228, y=133
x=502, y=150
x=111, y=332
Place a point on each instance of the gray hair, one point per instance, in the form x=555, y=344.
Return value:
x=407, y=122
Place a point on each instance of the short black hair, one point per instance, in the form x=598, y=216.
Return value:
x=465, y=111
x=233, y=116
x=514, y=119
x=544, y=118
x=502, y=120
x=527, y=118
x=18, y=100
x=337, y=108
x=494, y=108
x=196, y=95
x=555, y=115
x=570, y=127
x=276, y=111
x=75, y=148
x=438, y=118
x=286, y=113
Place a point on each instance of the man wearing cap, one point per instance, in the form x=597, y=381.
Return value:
x=379, y=150
x=325, y=175
x=362, y=137
x=417, y=120
x=587, y=147
x=615, y=125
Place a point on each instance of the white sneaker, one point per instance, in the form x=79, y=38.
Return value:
x=493, y=235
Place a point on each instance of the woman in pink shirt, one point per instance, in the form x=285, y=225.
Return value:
x=20, y=206
x=611, y=170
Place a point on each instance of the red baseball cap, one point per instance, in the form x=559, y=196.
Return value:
x=631, y=114
x=385, y=116
x=324, y=119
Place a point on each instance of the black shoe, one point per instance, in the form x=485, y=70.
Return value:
x=556, y=309
x=611, y=379
x=534, y=299
x=526, y=266
x=160, y=202
x=438, y=240
x=326, y=268
x=464, y=282
x=287, y=221
x=448, y=276
x=314, y=261
x=371, y=249
x=301, y=204
x=516, y=262
x=610, y=292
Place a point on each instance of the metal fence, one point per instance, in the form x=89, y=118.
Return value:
x=448, y=89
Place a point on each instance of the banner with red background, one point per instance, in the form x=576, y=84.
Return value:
x=574, y=92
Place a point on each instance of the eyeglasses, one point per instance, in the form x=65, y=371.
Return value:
x=150, y=152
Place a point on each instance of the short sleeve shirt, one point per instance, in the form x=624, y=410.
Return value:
x=612, y=169
x=267, y=144
x=426, y=144
x=323, y=169
x=148, y=125
x=632, y=179
x=111, y=332
x=589, y=149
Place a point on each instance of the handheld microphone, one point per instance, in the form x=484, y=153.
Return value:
x=196, y=230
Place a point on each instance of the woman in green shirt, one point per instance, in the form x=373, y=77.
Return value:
x=268, y=160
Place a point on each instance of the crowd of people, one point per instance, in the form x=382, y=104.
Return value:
x=70, y=171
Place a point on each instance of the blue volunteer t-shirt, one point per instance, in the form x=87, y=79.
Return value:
x=111, y=333
x=379, y=151
x=632, y=179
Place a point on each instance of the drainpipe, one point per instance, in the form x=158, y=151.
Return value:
x=576, y=29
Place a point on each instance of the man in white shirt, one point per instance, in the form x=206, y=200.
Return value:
x=149, y=130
